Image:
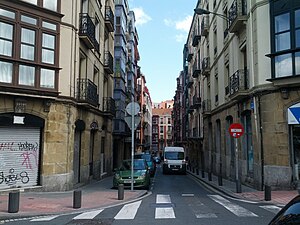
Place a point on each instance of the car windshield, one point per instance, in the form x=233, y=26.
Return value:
x=174, y=155
x=138, y=165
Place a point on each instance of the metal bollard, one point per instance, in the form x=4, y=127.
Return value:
x=209, y=176
x=220, y=181
x=267, y=193
x=238, y=186
x=121, y=192
x=77, y=199
x=197, y=171
x=193, y=169
x=203, y=174
x=13, y=202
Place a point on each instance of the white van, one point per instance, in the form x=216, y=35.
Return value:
x=174, y=160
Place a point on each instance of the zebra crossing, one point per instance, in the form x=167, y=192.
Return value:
x=165, y=209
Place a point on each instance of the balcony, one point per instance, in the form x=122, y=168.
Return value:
x=108, y=63
x=205, y=26
x=109, y=19
x=205, y=66
x=189, y=82
x=237, y=15
x=196, y=69
x=87, y=31
x=189, y=56
x=196, y=101
x=87, y=91
x=196, y=37
x=109, y=106
x=239, y=84
x=206, y=107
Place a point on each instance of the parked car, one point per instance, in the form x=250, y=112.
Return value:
x=289, y=214
x=141, y=175
x=150, y=161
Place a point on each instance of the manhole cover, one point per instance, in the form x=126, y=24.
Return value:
x=91, y=222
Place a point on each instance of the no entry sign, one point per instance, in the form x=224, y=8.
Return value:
x=236, y=130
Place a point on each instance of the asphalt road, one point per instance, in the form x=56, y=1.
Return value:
x=175, y=200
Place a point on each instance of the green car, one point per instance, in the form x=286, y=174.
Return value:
x=141, y=176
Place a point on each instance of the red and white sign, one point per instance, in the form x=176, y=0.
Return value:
x=236, y=130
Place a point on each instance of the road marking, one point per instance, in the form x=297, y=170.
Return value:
x=206, y=215
x=235, y=209
x=163, y=199
x=187, y=195
x=88, y=215
x=48, y=218
x=271, y=208
x=164, y=213
x=128, y=211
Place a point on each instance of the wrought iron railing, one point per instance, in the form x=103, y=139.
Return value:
x=238, y=81
x=109, y=18
x=87, y=91
x=87, y=29
x=108, y=62
x=109, y=105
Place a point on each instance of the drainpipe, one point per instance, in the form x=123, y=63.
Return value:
x=261, y=143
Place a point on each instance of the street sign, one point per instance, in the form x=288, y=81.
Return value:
x=128, y=120
x=133, y=107
x=236, y=130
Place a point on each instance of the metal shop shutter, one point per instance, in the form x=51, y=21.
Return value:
x=19, y=157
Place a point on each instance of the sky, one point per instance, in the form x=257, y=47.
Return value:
x=162, y=27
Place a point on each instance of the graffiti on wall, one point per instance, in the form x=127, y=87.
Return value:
x=19, y=163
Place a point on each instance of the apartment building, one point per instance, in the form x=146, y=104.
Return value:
x=177, y=114
x=56, y=88
x=248, y=52
x=163, y=113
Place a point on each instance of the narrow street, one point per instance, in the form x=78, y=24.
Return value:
x=175, y=199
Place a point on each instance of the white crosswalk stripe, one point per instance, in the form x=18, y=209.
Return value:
x=235, y=209
x=271, y=208
x=128, y=211
x=44, y=219
x=163, y=199
x=164, y=213
x=88, y=215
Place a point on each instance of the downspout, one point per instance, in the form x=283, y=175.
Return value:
x=261, y=143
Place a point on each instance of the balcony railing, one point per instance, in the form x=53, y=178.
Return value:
x=205, y=26
x=196, y=37
x=109, y=19
x=238, y=83
x=196, y=69
x=196, y=101
x=108, y=63
x=205, y=66
x=206, y=106
x=237, y=15
x=189, y=82
x=109, y=105
x=190, y=56
x=87, y=91
x=87, y=31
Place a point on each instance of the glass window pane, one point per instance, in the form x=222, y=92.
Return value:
x=6, y=31
x=48, y=56
x=50, y=4
x=48, y=41
x=28, y=19
x=5, y=48
x=297, y=18
x=27, y=52
x=50, y=26
x=282, y=22
x=282, y=41
x=6, y=72
x=283, y=65
x=297, y=38
x=47, y=78
x=297, y=63
x=28, y=36
x=7, y=13
x=26, y=75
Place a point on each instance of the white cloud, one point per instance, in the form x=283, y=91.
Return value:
x=180, y=37
x=184, y=25
x=140, y=16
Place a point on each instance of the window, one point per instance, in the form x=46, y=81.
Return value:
x=286, y=41
x=31, y=43
x=50, y=4
x=6, y=39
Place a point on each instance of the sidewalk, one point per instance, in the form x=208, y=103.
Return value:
x=95, y=195
x=279, y=198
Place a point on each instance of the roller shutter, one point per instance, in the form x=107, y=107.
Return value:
x=19, y=157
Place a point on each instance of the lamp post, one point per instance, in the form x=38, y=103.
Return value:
x=200, y=11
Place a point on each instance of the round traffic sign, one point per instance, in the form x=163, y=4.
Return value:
x=236, y=130
x=133, y=108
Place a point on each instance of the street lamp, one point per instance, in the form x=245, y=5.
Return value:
x=200, y=11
